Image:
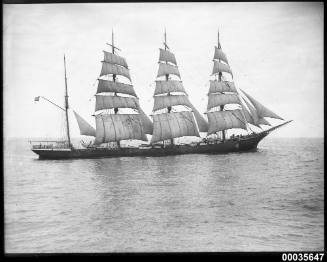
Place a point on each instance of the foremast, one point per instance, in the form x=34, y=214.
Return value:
x=118, y=114
x=173, y=114
x=223, y=93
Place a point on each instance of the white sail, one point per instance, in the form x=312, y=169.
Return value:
x=261, y=109
x=108, y=68
x=223, y=120
x=167, y=56
x=85, y=128
x=221, y=86
x=115, y=87
x=263, y=121
x=220, y=55
x=115, y=59
x=147, y=123
x=247, y=115
x=200, y=120
x=252, y=116
x=220, y=67
x=172, y=125
x=163, y=87
x=108, y=102
x=116, y=127
x=161, y=102
x=222, y=99
x=167, y=69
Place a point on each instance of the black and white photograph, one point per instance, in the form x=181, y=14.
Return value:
x=164, y=127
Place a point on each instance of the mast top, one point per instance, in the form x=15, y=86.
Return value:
x=112, y=43
x=219, y=46
x=165, y=42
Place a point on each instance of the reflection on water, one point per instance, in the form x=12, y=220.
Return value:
x=267, y=200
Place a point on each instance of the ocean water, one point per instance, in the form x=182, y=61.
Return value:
x=269, y=200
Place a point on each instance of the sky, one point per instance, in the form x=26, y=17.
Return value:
x=275, y=51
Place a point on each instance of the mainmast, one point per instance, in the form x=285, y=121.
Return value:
x=66, y=105
x=169, y=92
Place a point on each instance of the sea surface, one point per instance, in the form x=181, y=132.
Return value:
x=269, y=200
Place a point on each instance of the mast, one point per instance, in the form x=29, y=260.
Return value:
x=169, y=92
x=219, y=79
x=66, y=105
x=114, y=76
x=112, y=124
x=167, y=78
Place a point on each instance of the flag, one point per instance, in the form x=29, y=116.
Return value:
x=37, y=98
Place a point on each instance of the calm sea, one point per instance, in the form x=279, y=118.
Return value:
x=269, y=200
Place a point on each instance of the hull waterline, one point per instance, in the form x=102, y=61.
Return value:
x=242, y=145
x=245, y=144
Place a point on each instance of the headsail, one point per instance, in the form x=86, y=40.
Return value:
x=261, y=109
x=85, y=128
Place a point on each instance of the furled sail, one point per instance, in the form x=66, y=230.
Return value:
x=222, y=120
x=85, y=128
x=172, y=125
x=115, y=59
x=261, y=109
x=108, y=102
x=110, y=128
x=161, y=102
x=163, y=87
x=220, y=67
x=202, y=123
x=221, y=86
x=167, y=69
x=147, y=123
x=108, y=68
x=167, y=56
x=219, y=54
x=115, y=87
x=222, y=99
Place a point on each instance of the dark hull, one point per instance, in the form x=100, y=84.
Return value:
x=246, y=144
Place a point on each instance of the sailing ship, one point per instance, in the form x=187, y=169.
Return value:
x=120, y=118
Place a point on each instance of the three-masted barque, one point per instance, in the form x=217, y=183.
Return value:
x=120, y=118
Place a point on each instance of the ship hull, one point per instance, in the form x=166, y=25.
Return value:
x=245, y=144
